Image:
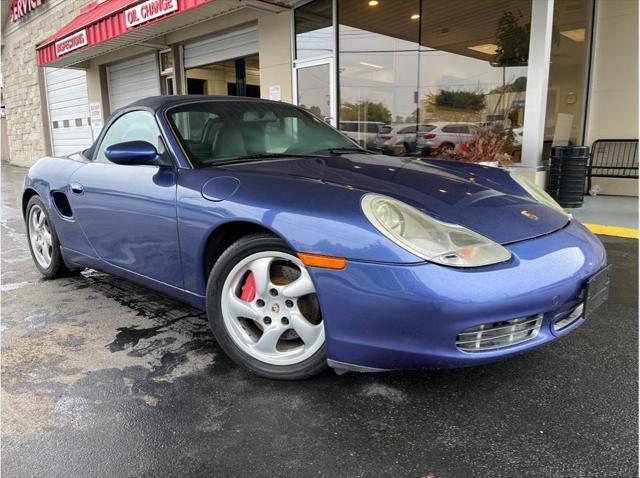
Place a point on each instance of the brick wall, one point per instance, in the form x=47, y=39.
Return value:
x=20, y=76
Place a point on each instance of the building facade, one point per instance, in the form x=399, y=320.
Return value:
x=548, y=72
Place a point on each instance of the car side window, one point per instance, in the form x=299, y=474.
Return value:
x=407, y=130
x=373, y=128
x=133, y=126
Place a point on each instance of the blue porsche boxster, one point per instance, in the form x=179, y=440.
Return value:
x=306, y=250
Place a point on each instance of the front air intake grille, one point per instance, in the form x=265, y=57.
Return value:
x=499, y=334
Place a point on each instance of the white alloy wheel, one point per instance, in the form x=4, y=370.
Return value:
x=40, y=236
x=270, y=309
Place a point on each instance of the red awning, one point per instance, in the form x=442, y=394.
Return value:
x=106, y=20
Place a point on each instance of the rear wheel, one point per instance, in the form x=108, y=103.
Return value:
x=263, y=309
x=43, y=241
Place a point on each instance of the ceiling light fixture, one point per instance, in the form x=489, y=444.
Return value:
x=486, y=48
x=415, y=16
x=371, y=65
x=374, y=3
x=576, y=35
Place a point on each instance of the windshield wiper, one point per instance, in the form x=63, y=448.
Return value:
x=339, y=151
x=250, y=157
x=271, y=155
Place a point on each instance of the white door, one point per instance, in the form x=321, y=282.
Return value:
x=133, y=79
x=68, y=104
x=235, y=44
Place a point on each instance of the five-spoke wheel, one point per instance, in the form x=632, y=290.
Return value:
x=264, y=311
x=43, y=241
x=40, y=236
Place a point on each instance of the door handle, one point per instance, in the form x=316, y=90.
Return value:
x=77, y=188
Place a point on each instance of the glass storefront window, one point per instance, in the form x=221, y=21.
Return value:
x=567, y=73
x=378, y=67
x=473, y=72
x=448, y=69
x=314, y=29
x=314, y=89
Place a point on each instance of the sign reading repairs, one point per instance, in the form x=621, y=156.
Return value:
x=72, y=42
x=148, y=11
x=20, y=8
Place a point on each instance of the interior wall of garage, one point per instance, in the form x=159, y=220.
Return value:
x=217, y=76
x=613, y=103
x=24, y=96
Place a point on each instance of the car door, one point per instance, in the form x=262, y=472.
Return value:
x=128, y=213
x=409, y=137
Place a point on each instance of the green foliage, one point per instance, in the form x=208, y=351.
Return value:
x=365, y=111
x=519, y=84
x=512, y=40
x=460, y=100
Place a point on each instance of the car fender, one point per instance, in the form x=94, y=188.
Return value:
x=310, y=216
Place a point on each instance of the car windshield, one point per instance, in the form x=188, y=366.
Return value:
x=425, y=128
x=216, y=132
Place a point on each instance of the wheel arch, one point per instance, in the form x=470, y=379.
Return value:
x=26, y=197
x=226, y=234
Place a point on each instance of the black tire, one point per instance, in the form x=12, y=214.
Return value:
x=57, y=268
x=240, y=249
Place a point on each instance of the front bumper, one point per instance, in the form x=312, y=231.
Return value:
x=391, y=316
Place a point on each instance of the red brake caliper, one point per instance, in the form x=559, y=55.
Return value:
x=249, y=288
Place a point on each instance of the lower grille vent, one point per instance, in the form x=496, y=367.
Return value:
x=499, y=334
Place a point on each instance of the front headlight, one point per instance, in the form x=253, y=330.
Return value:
x=428, y=238
x=538, y=193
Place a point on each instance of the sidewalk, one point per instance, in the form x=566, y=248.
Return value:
x=609, y=215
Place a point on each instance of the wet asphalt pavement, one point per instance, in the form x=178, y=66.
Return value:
x=103, y=378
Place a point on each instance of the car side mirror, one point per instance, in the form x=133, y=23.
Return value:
x=133, y=153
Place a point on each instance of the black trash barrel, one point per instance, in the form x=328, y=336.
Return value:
x=567, y=174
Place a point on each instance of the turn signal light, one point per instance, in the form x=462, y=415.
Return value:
x=327, y=262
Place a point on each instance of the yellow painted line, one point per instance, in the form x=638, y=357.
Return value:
x=613, y=230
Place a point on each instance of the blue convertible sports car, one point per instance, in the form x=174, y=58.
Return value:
x=306, y=250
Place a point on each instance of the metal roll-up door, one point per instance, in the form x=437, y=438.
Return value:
x=68, y=105
x=235, y=44
x=133, y=79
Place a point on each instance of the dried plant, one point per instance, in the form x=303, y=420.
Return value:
x=488, y=144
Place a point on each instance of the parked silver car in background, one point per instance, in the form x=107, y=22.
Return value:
x=435, y=137
x=363, y=132
x=398, y=139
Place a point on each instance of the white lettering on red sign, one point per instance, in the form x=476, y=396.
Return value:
x=72, y=42
x=148, y=11
x=20, y=8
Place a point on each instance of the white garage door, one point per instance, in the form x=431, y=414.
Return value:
x=133, y=79
x=68, y=105
x=230, y=45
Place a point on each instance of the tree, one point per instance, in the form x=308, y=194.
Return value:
x=365, y=111
x=512, y=40
x=519, y=84
x=460, y=100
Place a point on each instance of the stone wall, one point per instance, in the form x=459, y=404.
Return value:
x=22, y=89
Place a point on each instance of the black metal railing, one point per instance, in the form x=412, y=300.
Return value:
x=613, y=158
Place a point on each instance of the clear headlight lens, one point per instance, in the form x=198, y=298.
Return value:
x=538, y=193
x=428, y=238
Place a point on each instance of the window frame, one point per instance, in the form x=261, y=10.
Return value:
x=96, y=146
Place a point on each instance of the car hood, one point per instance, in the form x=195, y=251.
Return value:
x=482, y=199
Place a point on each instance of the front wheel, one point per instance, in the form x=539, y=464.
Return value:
x=263, y=309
